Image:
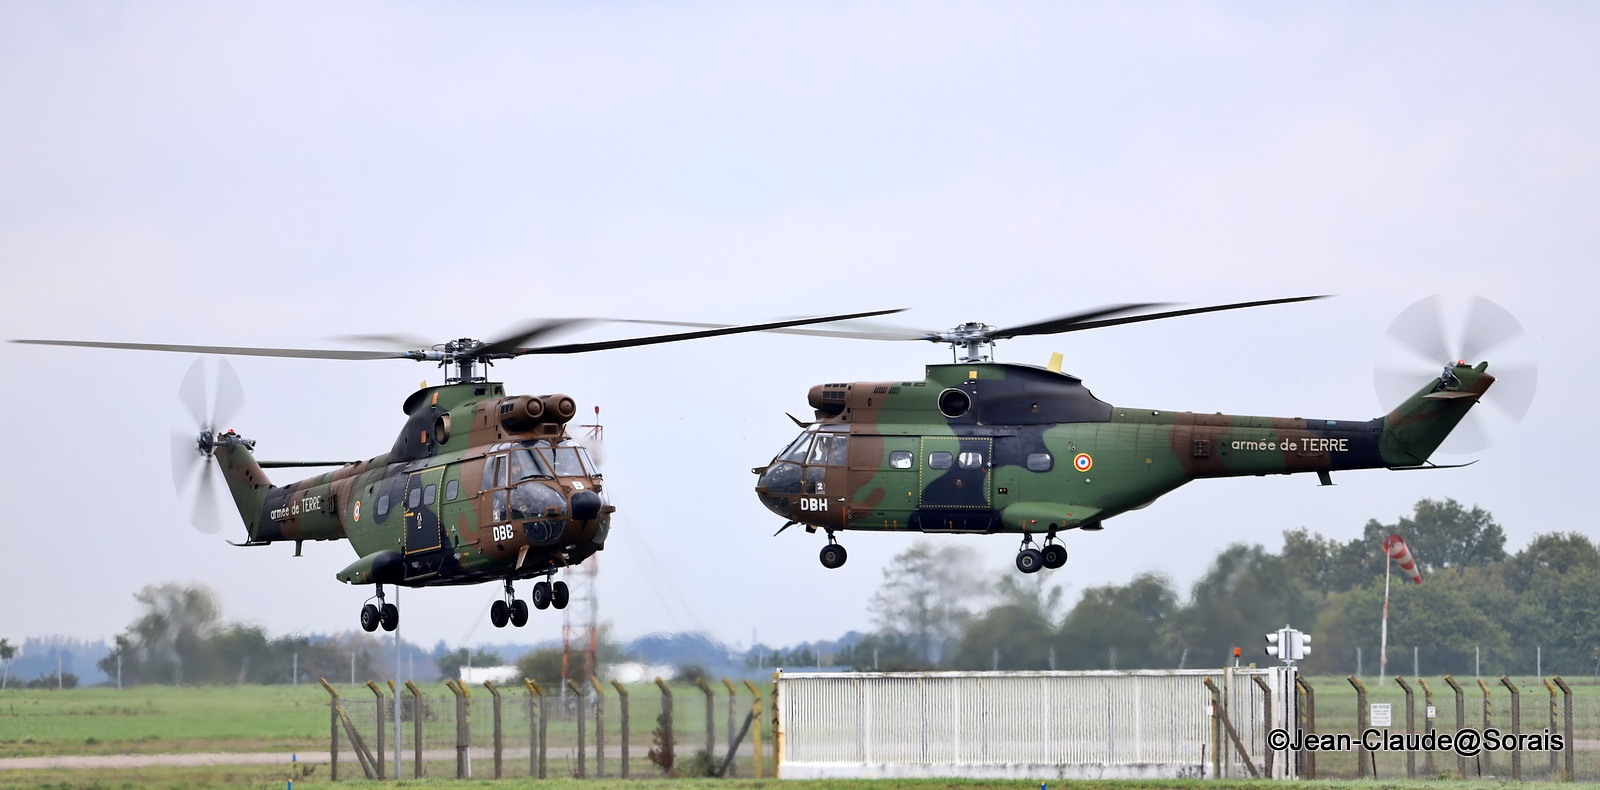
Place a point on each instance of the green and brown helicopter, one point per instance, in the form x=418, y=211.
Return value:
x=479, y=486
x=978, y=446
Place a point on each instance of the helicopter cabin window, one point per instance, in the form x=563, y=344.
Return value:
x=796, y=451
x=939, y=459
x=971, y=460
x=452, y=489
x=829, y=450
x=429, y=494
x=501, y=471
x=816, y=480
x=1040, y=462
x=498, y=513
x=414, y=499
x=900, y=459
x=526, y=464
x=383, y=505
x=489, y=471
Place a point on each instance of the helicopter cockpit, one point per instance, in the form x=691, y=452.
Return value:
x=533, y=478
x=802, y=467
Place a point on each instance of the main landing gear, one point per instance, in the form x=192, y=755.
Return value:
x=833, y=555
x=511, y=610
x=1052, y=555
x=384, y=614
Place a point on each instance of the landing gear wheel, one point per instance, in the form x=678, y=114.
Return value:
x=833, y=555
x=1029, y=561
x=559, y=595
x=541, y=595
x=1054, y=556
x=389, y=617
x=369, y=618
x=519, y=613
x=499, y=614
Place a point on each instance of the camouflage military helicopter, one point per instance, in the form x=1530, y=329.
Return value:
x=479, y=486
x=979, y=446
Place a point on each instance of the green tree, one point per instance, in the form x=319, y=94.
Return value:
x=542, y=666
x=1557, y=582
x=1246, y=593
x=927, y=597
x=1448, y=617
x=1125, y=625
x=7, y=651
x=1444, y=535
x=1015, y=633
x=883, y=652
x=169, y=637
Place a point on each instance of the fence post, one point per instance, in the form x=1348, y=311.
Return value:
x=1486, y=760
x=1427, y=701
x=333, y=731
x=1555, y=769
x=416, y=729
x=777, y=727
x=583, y=724
x=1516, y=725
x=1566, y=726
x=1461, y=722
x=378, y=754
x=711, y=727
x=1362, y=723
x=1308, y=718
x=622, y=723
x=1266, y=725
x=732, y=698
x=463, y=728
x=499, y=741
x=1411, y=724
x=536, y=729
x=1219, y=710
x=755, y=710
x=599, y=728
x=667, y=748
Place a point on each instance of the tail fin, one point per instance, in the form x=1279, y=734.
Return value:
x=247, y=482
x=1416, y=428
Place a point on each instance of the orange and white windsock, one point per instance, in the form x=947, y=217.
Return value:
x=1397, y=551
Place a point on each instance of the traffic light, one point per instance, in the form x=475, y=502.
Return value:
x=1300, y=645
x=1275, y=645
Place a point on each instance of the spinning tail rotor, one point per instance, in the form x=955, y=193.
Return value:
x=208, y=407
x=1440, y=330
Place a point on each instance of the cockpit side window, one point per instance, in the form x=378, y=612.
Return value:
x=829, y=450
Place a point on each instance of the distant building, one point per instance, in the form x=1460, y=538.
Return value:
x=636, y=672
x=500, y=676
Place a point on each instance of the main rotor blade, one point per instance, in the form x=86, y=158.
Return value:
x=531, y=332
x=576, y=348
x=1075, y=327
x=192, y=393
x=243, y=351
x=866, y=330
x=1067, y=322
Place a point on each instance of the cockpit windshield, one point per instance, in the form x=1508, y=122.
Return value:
x=571, y=460
x=527, y=464
x=796, y=451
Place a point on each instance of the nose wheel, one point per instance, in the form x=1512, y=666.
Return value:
x=832, y=555
x=382, y=614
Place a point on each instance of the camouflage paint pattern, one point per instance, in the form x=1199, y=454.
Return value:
x=442, y=506
x=988, y=447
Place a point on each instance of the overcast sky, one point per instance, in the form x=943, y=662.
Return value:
x=281, y=174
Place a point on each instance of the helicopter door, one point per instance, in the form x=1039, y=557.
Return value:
x=422, y=510
x=954, y=476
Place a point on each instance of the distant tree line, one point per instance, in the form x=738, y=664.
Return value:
x=935, y=610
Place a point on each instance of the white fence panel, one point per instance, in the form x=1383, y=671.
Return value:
x=1144, y=723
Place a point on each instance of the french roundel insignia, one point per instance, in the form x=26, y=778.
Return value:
x=358, y=510
x=1083, y=462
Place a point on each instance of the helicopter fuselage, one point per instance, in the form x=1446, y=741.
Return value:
x=511, y=497
x=988, y=447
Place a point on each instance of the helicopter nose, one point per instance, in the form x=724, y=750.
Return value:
x=778, y=479
x=585, y=505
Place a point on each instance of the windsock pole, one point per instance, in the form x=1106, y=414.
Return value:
x=1383, y=630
